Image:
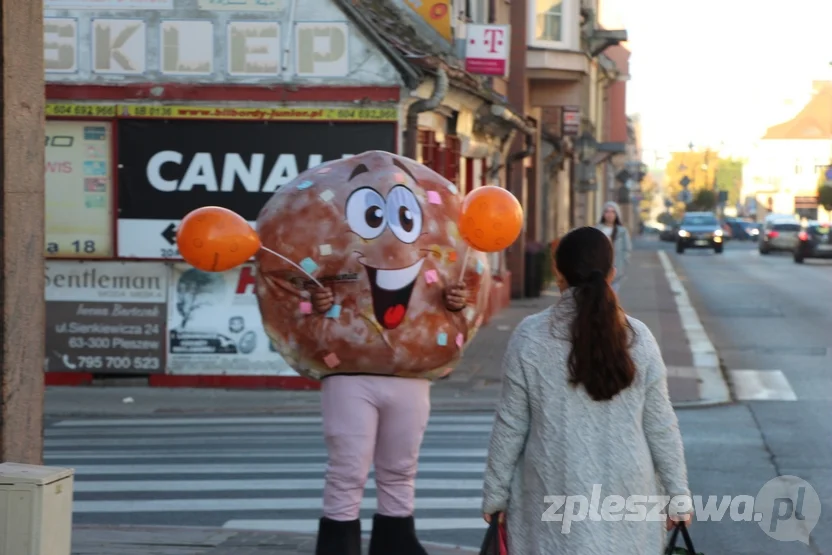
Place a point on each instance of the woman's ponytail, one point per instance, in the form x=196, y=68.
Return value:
x=600, y=357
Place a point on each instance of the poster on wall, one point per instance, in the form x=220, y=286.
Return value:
x=78, y=189
x=169, y=167
x=106, y=317
x=215, y=326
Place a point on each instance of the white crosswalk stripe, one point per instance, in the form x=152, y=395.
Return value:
x=761, y=385
x=262, y=473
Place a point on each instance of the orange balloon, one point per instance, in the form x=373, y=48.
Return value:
x=215, y=239
x=491, y=219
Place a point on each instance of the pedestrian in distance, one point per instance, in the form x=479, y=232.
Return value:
x=611, y=225
x=584, y=404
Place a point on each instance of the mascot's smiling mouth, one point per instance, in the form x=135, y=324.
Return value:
x=391, y=291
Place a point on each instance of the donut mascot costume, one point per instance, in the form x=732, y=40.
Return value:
x=381, y=308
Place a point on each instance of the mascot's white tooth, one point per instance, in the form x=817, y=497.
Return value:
x=393, y=280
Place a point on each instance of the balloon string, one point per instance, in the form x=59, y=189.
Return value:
x=464, y=262
x=293, y=264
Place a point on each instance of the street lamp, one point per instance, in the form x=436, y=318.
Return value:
x=587, y=147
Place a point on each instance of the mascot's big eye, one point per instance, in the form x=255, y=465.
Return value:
x=404, y=214
x=365, y=213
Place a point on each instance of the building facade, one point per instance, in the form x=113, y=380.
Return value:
x=785, y=167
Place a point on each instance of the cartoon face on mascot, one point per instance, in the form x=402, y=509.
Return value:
x=380, y=231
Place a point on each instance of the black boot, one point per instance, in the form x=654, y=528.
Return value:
x=393, y=535
x=338, y=537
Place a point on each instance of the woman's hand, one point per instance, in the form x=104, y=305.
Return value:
x=672, y=521
x=501, y=519
x=455, y=297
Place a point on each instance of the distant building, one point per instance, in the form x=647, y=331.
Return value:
x=784, y=168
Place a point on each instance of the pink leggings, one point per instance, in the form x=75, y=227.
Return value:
x=372, y=420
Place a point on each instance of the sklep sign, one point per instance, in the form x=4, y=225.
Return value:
x=168, y=168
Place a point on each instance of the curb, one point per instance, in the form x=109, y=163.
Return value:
x=213, y=531
x=714, y=389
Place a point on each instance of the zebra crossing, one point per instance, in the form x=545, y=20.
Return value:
x=257, y=473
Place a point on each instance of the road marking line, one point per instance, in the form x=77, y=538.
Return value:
x=291, y=484
x=255, y=504
x=251, y=468
x=272, y=455
x=246, y=420
x=311, y=526
x=762, y=385
x=713, y=387
x=237, y=431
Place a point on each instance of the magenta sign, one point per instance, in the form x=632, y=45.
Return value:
x=487, y=49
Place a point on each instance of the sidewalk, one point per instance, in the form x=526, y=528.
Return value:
x=152, y=540
x=651, y=292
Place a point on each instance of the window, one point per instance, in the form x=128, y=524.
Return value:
x=548, y=25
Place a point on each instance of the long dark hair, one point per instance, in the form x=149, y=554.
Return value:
x=615, y=225
x=600, y=357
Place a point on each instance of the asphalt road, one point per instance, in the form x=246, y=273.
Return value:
x=771, y=321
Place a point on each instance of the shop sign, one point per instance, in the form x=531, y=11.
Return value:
x=243, y=5
x=79, y=188
x=215, y=325
x=106, y=317
x=187, y=47
x=155, y=111
x=168, y=168
x=436, y=13
x=570, y=121
x=108, y=4
x=300, y=113
x=487, y=49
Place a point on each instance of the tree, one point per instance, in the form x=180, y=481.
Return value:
x=704, y=201
x=825, y=197
x=729, y=178
x=192, y=287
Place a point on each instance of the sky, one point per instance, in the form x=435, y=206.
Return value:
x=719, y=72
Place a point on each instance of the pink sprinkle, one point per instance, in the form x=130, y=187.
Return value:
x=431, y=276
x=324, y=170
x=332, y=360
x=434, y=198
x=460, y=339
x=399, y=177
x=305, y=307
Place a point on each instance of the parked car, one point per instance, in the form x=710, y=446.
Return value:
x=813, y=241
x=700, y=230
x=669, y=233
x=779, y=235
x=742, y=230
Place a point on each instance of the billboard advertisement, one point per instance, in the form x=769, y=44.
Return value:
x=79, y=188
x=106, y=317
x=168, y=168
x=215, y=326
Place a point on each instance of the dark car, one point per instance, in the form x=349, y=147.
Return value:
x=813, y=241
x=742, y=230
x=700, y=230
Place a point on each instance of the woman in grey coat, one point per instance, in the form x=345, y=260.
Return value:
x=611, y=225
x=585, y=424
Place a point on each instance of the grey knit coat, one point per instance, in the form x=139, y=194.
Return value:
x=550, y=439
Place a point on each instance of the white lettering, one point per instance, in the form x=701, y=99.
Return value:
x=154, y=170
x=234, y=168
x=284, y=171
x=200, y=174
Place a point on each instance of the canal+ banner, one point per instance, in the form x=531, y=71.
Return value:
x=168, y=168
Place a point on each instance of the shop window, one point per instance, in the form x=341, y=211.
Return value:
x=79, y=189
x=553, y=23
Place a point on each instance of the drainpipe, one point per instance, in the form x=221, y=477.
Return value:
x=425, y=105
x=518, y=156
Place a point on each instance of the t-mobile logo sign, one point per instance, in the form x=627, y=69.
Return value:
x=488, y=49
